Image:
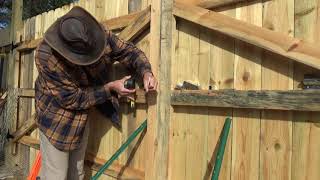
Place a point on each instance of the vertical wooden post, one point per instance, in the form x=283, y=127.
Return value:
x=15, y=31
x=159, y=113
x=16, y=25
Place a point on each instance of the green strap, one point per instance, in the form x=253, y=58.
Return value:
x=120, y=150
x=222, y=146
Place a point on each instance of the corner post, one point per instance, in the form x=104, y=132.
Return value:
x=161, y=38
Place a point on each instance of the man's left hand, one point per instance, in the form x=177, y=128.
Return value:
x=149, y=81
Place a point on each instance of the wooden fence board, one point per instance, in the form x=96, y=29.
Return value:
x=276, y=42
x=177, y=138
x=277, y=72
x=246, y=123
x=306, y=129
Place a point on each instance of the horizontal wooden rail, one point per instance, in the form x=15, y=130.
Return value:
x=29, y=45
x=30, y=141
x=95, y=162
x=298, y=100
x=136, y=27
x=122, y=21
x=211, y=4
x=26, y=92
x=276, y=42
x=111, y=24
x=140, y=95
x=28, y=126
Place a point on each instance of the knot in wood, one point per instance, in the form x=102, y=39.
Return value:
x=277, y=146
x=246, y=76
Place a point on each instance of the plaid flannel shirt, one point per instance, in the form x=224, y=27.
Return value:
x=64, y=92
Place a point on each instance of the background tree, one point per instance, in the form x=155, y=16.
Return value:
x=30, y=8
x=5, y=13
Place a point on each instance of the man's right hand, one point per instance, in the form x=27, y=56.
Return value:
x=118, y=87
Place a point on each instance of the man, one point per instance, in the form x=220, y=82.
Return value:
x=73, y=60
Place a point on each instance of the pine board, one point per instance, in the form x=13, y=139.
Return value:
x=246, y=123
x=306, y=129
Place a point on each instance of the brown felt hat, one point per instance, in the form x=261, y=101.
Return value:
x=77, y=36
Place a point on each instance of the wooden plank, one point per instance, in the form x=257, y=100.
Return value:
x=276, y=126
x=38, y=33
x=16, y=29
x=221, y=77
x=159, y=114
x=211, y=4
x=306, y=128
x=134, y=5
x=5, y=36
x=27, y=126
x=94, y=162
x=137, y=26
x=29, y=45
x=30, y=141
x=111, y=24
x=276, y=42
x=246, y=122
x=178, y=125
x=140, y=95
x=26, y=80
x=26, y=92
x=196, y=117
x=298, y=100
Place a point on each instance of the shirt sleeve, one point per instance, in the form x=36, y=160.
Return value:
x=128, y=54
x=66, y=92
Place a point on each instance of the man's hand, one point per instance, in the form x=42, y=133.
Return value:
x=149, y=82
x=118, y=87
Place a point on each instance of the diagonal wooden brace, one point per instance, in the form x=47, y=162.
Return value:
x=276, y=42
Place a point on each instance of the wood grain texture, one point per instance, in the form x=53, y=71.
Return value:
x=298, y=100
x=221, y=76
x=197, y=118
x=122, y=21
x=277, y=72
x=30, y=141
x=306, y=129
x=211, y=4
x=159, y=114
x=246, y=123
x=12, y=67
x=38, y=33
x=134, y=5
x=136, y=27
x=140, y=95
x=26, y=92
x=276, y=42
x=27, y=126
x=29, y=45
x=5, y=37
x=178, y=126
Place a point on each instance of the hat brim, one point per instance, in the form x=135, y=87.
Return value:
x=95, y=30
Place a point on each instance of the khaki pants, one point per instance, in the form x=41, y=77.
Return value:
x=59, y=165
